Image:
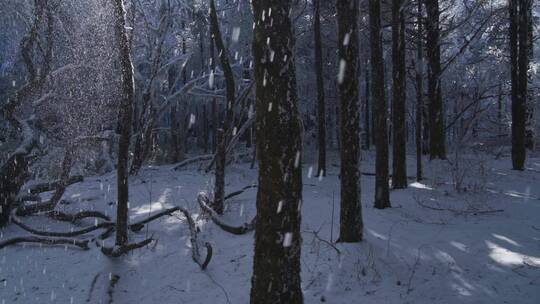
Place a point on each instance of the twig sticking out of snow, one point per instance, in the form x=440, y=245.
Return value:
x=92, y=286
x=112, y=283
x=317, y=237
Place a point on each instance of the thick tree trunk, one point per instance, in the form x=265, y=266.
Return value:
x=321, y=111
x=351, y=226
x=437, y=149
x=399, y=142
x=419, y=90
x=126, y=108
x=382, y=193
x=276, y=263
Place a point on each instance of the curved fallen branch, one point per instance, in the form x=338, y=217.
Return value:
x=86, y=230
x=195, y=244
x=236, y=193
x=119, y=251
x=204, y=201
x=136, y=227
x=72, y=218
x=34, y=239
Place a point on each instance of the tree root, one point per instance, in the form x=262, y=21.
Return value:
x=203, y=200
x=83, y=244
x=116, y=251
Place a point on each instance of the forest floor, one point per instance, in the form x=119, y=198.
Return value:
x=436, y=245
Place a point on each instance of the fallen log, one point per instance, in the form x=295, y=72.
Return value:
x=204, y=201
x=83, y=244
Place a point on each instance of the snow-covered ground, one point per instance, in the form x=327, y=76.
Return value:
x=436, y=245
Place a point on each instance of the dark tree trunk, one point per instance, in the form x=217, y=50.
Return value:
x=175, y=151
x=437, y=148
x=215, y=118
x=399, y=142
x=351, y=225
x=519, y=53
x=126, y=109
x=276, y=263
x=382, y=193
x=13, y=176
x=205, y=128
x=419, y=89
x=530, y=123
x=321, y=113
x=221, y=153
x=367, y=116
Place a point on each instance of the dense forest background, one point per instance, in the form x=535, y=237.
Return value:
x=263, y=95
